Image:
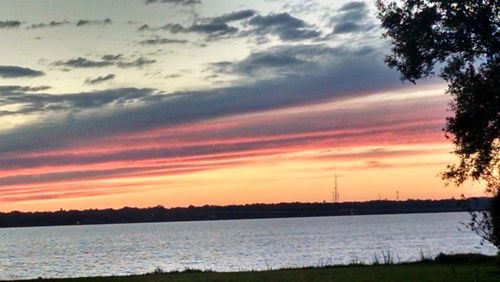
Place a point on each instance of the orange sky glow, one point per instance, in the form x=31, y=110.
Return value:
x=178, y=103
x=395, y=145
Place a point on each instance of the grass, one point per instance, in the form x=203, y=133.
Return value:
x=470, y=268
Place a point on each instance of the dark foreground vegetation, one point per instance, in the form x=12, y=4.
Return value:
x=160, y=213
x=466, y=268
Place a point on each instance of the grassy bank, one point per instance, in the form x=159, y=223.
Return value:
x=445, y=268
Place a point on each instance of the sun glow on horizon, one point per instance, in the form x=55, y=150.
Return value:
x=214, y=103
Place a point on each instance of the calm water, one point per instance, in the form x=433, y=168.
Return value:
x=233, y=245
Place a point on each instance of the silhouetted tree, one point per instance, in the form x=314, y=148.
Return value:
x=462, y=37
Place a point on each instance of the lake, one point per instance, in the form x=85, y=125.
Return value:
x=231, y=245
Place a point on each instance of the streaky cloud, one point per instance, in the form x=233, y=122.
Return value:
x=352, y=17
x=175, y=2
x=283, y=25
x=117, y=60
x=234, y=16
x=81, y=62
x=17, y=72
x=211, y=29
x=353, y=6
x=50, y=24
x=354, y=73
x=234, y=139
x=137, y=63
x=286, y=60
x=100, y=79
x=112, y=57
x=20, y=89
x=28, y=103
x=10, y=24
x=162, y=41
x=80, y=23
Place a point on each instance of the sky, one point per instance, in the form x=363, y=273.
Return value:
x=112, y=103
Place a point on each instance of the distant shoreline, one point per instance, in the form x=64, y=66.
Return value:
x=231, y=212
x=230, y=219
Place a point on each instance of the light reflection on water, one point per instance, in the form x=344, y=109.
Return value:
x=232, y=245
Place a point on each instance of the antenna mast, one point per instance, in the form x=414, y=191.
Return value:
x=335, y=192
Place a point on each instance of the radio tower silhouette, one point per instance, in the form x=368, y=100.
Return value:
x=335, y=192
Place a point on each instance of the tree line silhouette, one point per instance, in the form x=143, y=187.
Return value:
x=248, y=211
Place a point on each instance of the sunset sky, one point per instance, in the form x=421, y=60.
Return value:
x=112, y=103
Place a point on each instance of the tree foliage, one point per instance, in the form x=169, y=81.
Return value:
x=462, y=36
x=485, y=223
x=458, y=40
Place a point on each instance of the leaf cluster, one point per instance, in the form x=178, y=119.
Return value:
x=462, y=38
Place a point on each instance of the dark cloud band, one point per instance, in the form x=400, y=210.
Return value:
x=100, y=79
x=175, y=2
x=353, y=73
x=16, y=72
x=50, y=24
x=10, y=24
x=93, y=22
x=117, y=60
